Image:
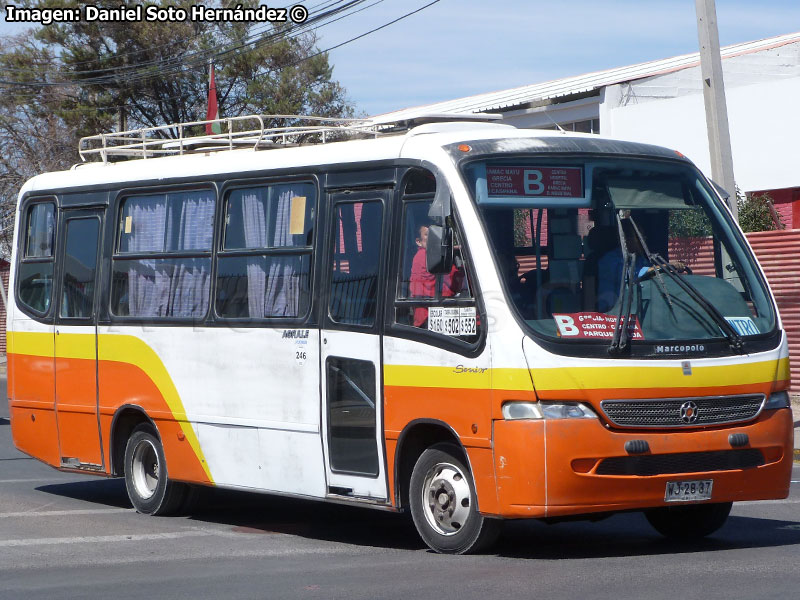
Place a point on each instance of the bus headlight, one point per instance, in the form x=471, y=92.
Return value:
x=514, y=411
x=564, y=410
x=778, y=400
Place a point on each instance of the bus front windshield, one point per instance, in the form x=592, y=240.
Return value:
x=581, y=243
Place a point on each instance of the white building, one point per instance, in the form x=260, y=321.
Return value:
x=661, y=102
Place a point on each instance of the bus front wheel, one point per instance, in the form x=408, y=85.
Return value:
x=443, y=504
x=149, y=489
x=689, y=522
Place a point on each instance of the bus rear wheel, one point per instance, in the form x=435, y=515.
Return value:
x=690, y=522
x=443, y=504
x=149, y=489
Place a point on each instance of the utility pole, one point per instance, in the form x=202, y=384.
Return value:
x=122, y=121
x=719, y=137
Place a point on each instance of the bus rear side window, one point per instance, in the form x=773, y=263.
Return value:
x=35, y=271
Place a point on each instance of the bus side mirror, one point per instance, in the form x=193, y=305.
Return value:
x=439, y=250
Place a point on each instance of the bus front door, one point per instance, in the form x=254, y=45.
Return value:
x=352, y=412
x=76, y=341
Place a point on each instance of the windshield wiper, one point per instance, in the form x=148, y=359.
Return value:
x=658, y=262
x=619, y=340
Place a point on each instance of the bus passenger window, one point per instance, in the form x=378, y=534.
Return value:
x=35, y=272
x=264, y=266
x=152, y=275
x=425, y=300
x=80, y=268
x=356, y=256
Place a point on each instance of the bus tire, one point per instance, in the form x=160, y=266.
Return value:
x=149, y=489
x=443, y=504
x=689, y=522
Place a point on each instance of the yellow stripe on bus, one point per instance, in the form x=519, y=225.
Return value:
x=459, y=377
x=659, y=377
x=125, y=349
x=30, y=343
x=568, y=378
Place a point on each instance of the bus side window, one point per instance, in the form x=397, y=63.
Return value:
x=425, y=300
x=264, y=265
x=356, y=262
x=36, y=263
x=162, y=263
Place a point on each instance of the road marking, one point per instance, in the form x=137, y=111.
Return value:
x=63, y=513
x=40, y=480
x=95, y=539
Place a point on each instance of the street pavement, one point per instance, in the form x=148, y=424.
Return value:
x=75, y=537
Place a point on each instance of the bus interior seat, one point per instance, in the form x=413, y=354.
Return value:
x=599, y=240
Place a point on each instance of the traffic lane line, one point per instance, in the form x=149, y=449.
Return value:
x=63, y=513
x=100, y=539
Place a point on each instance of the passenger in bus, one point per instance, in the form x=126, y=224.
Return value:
x=422, y=284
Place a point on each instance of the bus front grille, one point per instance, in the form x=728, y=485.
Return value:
x=686, y=462
x=683, y=412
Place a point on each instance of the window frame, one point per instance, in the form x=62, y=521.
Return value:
x=384, y=197
x=98, y=275
x=22, y=248
x=116, y=256
x=392, y=327
x=221, y=252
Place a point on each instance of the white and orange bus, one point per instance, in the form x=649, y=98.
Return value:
x=462, y=320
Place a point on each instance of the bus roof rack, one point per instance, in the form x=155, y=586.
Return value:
x=402, y=124
x=250, y=131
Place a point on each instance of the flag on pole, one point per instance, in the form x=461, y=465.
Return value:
x=213, y=107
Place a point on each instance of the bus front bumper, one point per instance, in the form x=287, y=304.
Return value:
x=571, y=467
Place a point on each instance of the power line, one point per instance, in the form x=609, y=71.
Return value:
x=112, y=108
x=177, y=63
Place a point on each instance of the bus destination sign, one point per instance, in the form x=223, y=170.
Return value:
x=540, y=182
x=593, y=325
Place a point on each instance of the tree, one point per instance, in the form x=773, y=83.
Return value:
x=757, y=213
x=68, y=80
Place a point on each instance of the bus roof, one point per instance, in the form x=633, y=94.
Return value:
x=430, y=142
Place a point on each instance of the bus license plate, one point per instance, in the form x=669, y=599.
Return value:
x=684, y=491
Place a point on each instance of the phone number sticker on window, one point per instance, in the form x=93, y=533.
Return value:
x=452, y=320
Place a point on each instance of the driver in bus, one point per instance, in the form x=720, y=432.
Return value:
x=422, y=284
x=609, y=268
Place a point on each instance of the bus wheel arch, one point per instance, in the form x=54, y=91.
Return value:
x=126, y=419
x=416, y=437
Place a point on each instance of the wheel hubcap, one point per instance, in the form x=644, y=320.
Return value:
x=446, y=497
x=145, y=469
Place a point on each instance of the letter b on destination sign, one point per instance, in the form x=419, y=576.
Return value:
x=566, y=325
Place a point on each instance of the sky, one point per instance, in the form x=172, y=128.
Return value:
x=457, y=48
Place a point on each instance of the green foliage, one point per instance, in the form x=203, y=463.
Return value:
x=757, y=213
x=690, y=223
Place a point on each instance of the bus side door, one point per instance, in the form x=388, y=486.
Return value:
x=351, y=344
x=76, y=340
